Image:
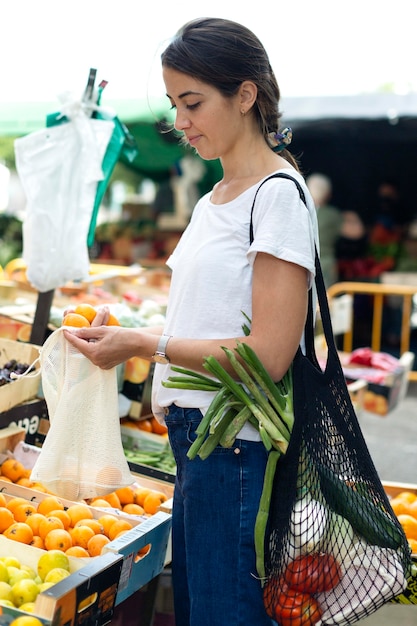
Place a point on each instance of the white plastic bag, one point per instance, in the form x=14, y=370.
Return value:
x=59, y=168
x=82, y=456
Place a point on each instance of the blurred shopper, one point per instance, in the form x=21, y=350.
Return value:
x=330, y=221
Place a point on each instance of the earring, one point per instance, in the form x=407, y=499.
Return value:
x=242, y=112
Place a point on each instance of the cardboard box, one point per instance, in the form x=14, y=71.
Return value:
x=382, y=398
x=26, y=387
x=31, y=415
x=9, y=439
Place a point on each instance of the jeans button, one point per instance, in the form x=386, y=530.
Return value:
x=166, y=410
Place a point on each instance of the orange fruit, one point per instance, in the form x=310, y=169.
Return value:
x=25, y=482
x=74, y=319
x=113, y=321
x=412, y=509
x=125, y=495
x=99, y=503
x=119, y=526
x=77, y=551
x=133, y=509
x=14, y=502
x=107, y=520
x=94, y=524
x=140, y=494
x=13, y=469
x=96, y=544
x=81, y=535
x=37, y=542
x=409, y=524
x=145, y=425
x=86, y=310
x=50, y=503
x=153, y=501
x=49, y=523
x=113, y=500
x=3, y=500
x=58, y=539
x=63, y=516
x=6, y=518
x=79, y=511
x=157, y=428
x=144, y=550
x=399, y=506
x=34, y=520
x=407, y=496
x=23, y=511
x=19, y=531
x=413, y=545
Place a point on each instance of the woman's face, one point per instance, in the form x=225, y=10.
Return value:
x=210, y=122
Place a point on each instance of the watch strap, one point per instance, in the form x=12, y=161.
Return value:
x=162, y=345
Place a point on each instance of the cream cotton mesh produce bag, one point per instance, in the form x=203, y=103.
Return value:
x=82, y=456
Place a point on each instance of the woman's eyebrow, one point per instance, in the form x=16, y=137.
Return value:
x=186, y=93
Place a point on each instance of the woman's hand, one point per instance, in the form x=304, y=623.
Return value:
x=106, y=346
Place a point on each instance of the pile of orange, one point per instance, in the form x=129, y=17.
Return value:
x=404, y=506
x=50, y=525
x=148, y=424
x=83, y=315
x=132, y=500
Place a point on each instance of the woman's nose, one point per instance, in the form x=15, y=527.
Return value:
x=181, y=121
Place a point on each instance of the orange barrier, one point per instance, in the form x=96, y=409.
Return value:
x=378, y=291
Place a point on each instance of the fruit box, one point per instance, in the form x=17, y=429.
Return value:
x=136, y=439
x=393, y=489
x=137, y=570
x=23, y=388
x=31, y=415
x=382, y=398
x=10, y=437
x=88, y=595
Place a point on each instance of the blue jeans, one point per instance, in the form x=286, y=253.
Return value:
x=215, y=505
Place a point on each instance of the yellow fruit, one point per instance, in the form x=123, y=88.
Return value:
x=51, y=560
x=26, y=620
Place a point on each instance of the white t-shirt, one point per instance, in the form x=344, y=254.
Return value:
x=212, y=265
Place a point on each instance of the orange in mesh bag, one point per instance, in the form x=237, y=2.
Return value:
x=82, y=455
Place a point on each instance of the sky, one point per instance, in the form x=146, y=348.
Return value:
x=316, y=47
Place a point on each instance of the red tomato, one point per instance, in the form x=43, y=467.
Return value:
x=273, y=588
x=296, y=609
x=313, y=573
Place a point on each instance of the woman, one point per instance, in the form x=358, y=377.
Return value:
x=219, y=80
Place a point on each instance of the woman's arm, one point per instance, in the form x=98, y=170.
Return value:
x=279, y=306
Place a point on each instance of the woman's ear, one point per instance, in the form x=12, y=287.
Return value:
x=248, y=93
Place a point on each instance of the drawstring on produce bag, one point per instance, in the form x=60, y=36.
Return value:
x=82, y=456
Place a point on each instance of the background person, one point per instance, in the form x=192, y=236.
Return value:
x=218, y=78
x=329, y=220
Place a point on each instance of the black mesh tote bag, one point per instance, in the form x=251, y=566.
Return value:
x=333, y=549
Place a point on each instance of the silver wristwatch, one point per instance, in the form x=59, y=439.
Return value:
x=160, y=356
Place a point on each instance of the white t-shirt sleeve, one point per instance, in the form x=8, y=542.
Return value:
x=283, y=225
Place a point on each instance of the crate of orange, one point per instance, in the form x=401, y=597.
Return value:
x=129, y=522
x=26, y=387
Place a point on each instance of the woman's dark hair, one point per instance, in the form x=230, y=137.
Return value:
x=223, y=53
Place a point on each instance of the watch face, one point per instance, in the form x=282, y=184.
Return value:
x=160, y=358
